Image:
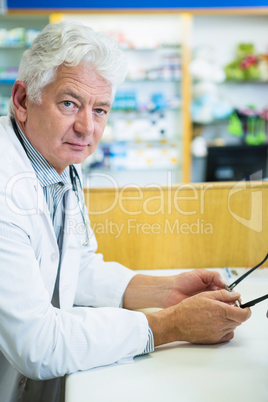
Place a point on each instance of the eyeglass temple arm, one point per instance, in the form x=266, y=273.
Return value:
x=253, y=302
x=238, y=280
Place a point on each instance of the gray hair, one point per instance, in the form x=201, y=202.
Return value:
x=69, y=43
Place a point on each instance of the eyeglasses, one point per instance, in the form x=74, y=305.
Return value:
x=238, y=280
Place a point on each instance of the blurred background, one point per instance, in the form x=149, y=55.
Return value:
x=194, y=106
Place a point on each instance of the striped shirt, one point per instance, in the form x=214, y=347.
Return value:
x=54, y=187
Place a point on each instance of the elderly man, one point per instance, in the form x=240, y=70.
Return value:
x=62, y=308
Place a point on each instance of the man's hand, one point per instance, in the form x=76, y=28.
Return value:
x=196, y=308
x=191, y=283
x=146, y=291
x=205, y=318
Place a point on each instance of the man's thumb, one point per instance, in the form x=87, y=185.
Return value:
x=226, y=296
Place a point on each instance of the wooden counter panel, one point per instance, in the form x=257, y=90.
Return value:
x=187, y=225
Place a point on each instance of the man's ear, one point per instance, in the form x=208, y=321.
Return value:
x=19, y=96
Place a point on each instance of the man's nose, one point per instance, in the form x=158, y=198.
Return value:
x=84, y=123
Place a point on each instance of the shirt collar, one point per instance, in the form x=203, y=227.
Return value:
x=45, y=172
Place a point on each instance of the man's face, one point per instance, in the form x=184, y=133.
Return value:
x=67, y=126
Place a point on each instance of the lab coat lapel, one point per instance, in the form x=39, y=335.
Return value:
x=50, y=256
x=46, y=249
x=44, y=213
x=40, y=207
x=71, y=250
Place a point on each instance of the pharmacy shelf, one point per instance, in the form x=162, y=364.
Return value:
x=14, y=47
x=145, y=121
x=14, y=30
x=7, y=81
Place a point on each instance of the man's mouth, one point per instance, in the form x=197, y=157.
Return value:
x=77, y=145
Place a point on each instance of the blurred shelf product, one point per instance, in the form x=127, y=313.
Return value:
x=8, y=75
x=17, y=37
x=229, y=86
x=4, y=101
x=16, y=34
x=134, y=156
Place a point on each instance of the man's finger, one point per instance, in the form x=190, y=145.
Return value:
x=233, y=313
x=238, y=314
x=224, y=296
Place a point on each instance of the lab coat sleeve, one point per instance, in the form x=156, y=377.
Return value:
x=101, y=283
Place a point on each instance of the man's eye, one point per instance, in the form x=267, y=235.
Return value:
x=100, y=111
x=68, y=104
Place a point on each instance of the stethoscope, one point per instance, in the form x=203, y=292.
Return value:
x=74, y=178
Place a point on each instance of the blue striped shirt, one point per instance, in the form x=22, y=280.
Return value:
x=54, y=187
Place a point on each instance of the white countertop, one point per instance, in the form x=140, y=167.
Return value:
x=231, y=372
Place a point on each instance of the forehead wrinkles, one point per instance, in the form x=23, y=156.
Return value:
x=84, y=78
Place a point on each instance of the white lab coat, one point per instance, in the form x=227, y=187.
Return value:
x=39, y=340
